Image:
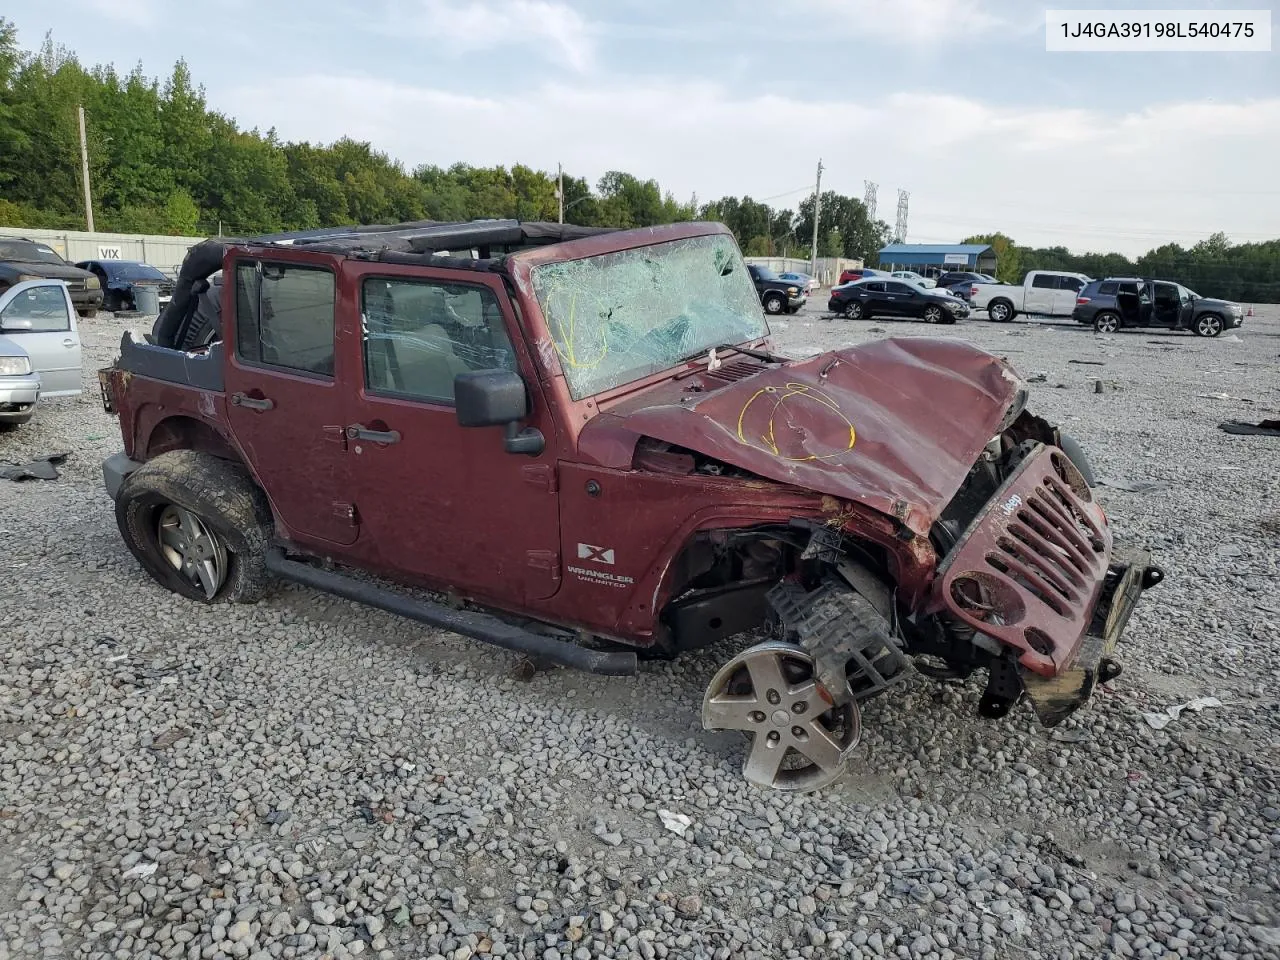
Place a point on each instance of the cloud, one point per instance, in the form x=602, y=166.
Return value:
x=1045, y=175
x=908, y=22
x=137, y=12
x=553, y=28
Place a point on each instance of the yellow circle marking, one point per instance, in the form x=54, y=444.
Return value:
x=767, y=442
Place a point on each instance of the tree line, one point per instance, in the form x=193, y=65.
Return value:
x=161, y=161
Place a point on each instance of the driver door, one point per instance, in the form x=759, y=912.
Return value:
x=443, y=502
x=40, y=318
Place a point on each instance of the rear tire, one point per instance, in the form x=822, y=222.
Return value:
x=853, y=310
x=228, y=511
x=1001, y=311
x=1106, y=322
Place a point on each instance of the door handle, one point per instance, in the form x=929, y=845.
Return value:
x=251, y=403
x=68, y=342
x=358, y=431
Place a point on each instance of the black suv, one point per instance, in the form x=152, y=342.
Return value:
x=1118, y=302
x=959, y=282
x=22, y=259
x=776, y=295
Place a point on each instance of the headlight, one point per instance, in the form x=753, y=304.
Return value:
x=92, y=283
x=22, y=277
x=793, y=290
x=15, y=366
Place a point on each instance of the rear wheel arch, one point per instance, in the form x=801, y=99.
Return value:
x=180, y=432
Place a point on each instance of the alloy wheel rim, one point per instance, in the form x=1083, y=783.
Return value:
x=1209, y=326
x=1107, y=324
x=799, y=740
x=192, y=549
x=933, y=315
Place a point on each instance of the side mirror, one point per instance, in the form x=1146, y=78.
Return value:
x=497, y=398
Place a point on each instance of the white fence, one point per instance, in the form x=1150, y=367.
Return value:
x=165, y=253
x=828, y=267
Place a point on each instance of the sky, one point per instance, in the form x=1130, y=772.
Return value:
x=955, y=101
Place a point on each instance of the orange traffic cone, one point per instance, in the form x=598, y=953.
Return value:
x=1250, y=313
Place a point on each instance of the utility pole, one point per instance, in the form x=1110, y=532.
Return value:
x=84, y=171
x=560, y=189
x=817, y=206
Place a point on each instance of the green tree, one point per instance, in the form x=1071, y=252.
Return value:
x=1008, y=255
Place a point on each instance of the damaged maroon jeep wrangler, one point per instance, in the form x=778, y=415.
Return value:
x=585, y=440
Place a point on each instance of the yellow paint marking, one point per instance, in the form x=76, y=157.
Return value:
x=792, y=390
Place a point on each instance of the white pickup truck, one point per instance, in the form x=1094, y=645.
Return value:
x=1048, y=293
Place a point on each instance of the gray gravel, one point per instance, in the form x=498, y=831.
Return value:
x=306, y=777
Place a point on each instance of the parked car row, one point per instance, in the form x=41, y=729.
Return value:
x=123, y=280
x=777, y=295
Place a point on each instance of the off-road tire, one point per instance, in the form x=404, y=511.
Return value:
x=774, y=304
x=850, y=641
x=226, y=500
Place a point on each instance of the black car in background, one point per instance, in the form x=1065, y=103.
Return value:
x=875, y=297
x=1107, y=305
x=777, y=295
x=22, y=259
x=959, y=282
x=120, y=277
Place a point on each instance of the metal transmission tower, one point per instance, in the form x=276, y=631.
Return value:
x=869, y=199
x=900, y=228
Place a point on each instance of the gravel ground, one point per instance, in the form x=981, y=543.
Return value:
x=305, y=777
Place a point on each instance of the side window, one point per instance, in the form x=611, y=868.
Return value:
x=875, y=286
x=1044, y=280
x=419, y=335
x=1128, y=288
x=1109, y=288
x=1075, y=284
x=38, y=310
x=284, y=316
x=896, y=287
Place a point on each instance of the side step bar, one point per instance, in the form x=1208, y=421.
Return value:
x=478, y=626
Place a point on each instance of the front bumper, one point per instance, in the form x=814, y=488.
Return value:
x=18, y=397
x=114, y=469
x=1035, y=572
x=1055, y=698
x=795, y=303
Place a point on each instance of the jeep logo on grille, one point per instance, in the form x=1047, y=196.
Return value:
x=1012, y=504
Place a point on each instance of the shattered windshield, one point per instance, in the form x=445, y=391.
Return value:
x=620, y=316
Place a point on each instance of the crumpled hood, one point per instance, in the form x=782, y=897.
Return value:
x=895, y=425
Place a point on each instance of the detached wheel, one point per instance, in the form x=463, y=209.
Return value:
x=853, y=310
x=1209, y=325
x=799, y=741
x=198, y=525
x=933, y=314
x=1106, y=323
x=1001, y=311
x=773, y=303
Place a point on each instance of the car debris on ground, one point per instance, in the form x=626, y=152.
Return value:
x=37, y=468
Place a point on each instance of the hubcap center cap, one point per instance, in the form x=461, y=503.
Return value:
x=781, y=717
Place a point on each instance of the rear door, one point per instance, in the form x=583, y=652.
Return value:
x=441, y=501
x=873, y=298
x=285, y=396
x=39, y=316
x=1040, y=294
x=1064, y=295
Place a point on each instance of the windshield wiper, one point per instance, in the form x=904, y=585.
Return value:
x=751, y=352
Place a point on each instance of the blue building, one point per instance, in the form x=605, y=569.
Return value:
x=931, y=259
